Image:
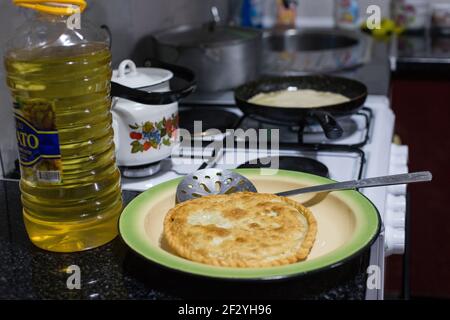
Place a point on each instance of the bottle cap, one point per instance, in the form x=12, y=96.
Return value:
x=56, y=7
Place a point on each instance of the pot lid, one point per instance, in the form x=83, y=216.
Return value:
x=128, y=75
x=188, y=36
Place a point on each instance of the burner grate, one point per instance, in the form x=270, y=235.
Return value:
x=356, y=129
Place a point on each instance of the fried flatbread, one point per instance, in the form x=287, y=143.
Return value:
x=241, y=230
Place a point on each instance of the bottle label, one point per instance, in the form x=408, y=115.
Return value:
x=38, y=140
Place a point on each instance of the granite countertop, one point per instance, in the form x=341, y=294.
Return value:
x=376, y=73
x=424, y=53
x=115, y=272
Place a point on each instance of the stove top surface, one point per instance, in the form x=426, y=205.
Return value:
x=292, y=163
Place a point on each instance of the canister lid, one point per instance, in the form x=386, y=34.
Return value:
x=56, y=7
x=128, y=75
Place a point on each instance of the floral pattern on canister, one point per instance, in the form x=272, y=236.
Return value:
x=152, y=135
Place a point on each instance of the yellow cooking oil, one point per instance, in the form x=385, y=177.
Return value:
x=70, y=183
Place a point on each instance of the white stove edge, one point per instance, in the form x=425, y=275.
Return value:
x=379, y=145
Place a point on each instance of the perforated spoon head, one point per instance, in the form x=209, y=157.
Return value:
x=212, y=181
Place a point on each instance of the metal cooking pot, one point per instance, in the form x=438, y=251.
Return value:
x=222, y=57
x=297, y=52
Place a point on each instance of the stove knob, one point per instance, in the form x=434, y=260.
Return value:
x=398, y=165
x=394, y=240
x=395, y=219
x=396, y=203
x=398, y=169
x=398, y=190
x=399, y=154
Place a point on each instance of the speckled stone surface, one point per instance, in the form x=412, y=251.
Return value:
x=114, y=272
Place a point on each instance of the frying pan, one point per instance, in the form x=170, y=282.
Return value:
x=352, y=89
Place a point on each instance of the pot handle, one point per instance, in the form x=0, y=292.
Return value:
x=330, y=126
x=158, y=98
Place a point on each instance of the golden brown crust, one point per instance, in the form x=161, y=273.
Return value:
x=241, y=230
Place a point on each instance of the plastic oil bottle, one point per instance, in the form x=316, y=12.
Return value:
x=59, y=75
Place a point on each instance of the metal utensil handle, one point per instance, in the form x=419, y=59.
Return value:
x=216, y=19
x=215, y=14
x=218, y=152
x=364, y=183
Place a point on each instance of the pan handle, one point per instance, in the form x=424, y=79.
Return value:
x=330, y=126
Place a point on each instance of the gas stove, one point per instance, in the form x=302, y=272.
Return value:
x=365, y=150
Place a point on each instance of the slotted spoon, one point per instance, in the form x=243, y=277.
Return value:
x=216, y=181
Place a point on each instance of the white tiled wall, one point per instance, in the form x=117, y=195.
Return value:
x=131, y=20
x=10, y=19
x=324, y=8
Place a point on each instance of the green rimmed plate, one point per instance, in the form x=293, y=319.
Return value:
x=348, y=223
